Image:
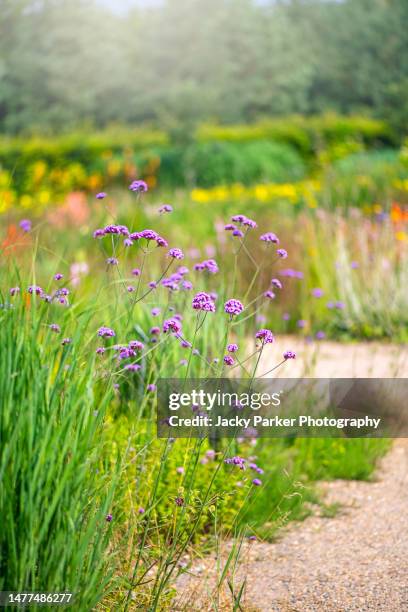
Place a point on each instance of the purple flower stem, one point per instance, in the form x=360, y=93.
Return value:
x=136, y=300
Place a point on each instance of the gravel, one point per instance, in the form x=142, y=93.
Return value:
x=355, y=561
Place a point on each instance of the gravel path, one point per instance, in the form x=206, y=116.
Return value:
x=356, y=561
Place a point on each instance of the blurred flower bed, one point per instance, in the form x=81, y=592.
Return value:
x=292, y=159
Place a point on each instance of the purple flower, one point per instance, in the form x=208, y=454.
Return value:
x=320, y=335
x=275, y=282
x=58, y=276
x=203, y=301
x=228, y=360
x=183, y=362
x=289, y=355
x=354, y=265
x=330, y=305
x=179, y=501
x=172, y=325
x=282, y=253
x=130, y=288
x=136, y=345
x=301, y=324
x=66, y=341
x=138, y=186
x=55, y=328
x=112, y=261
x=252, y=538
x=100, y=350
x=101, y=195
x=153, y=285
x=230, y=227
x=141, y=511
x=269, y=295
x=239, y=461
x=291, y=273
x=185, y=344
x=155, y=331
x=286, y=316
x=151, y=387
x=257, y=482
x=128, y=242
x=108, y=518
x=186, y=285
x=180, y=470
x=106, y=332
x=165, y=208
x=232, y=348
x=136, y=272
x=233, y=307
x=265, y=335
x=243, y=220
x=269, y=237
x=14, y=291
x=35, y=289
x=132, y=367
x=317, y=292
x=238, y=233
x=339, y=305
x=25, y=225
x=210, y=265
x=155, y=311
x=176, y=253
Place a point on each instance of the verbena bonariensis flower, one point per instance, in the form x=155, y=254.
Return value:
x=317, y=292
x=58, y=276
x=106, y=332
x=257, y=482
x=55, y=328
x=108, y=518
x=265, y=335
x=320, y=335
x=14, y=291
x=238, y=461
x=203, y=301
x=165, y=208
x=112, y=261
x=269, y=294
x=232, y=348
x=179, y=501
x=155, y=331
x=182, y=270
x=228, y=360
x=136, y=345
x=100, y=350
x=210, y=265
x=233, y=307
x=286, y=316
x=63, y=291
x=176, y=253
x=126, y=353
x=230, y=227
x=269, y=237
x=136, y=272
x=282, y=253
x=301, y=324
x=172, y=325
x=141, y=510
x=243, y=220
x=130, y=288
x=186, y=285
x=238, y=233
x=288, y=272
x=128, y=242
x=66, y=341
x=339, y=305
x=101, y=195
x=35, y=289
x=275, y=282
x=155, y=311
x=25, y=225
x=289, y=355
x=152, y=284
x=132, y=367
x=151, y=387
x=138, y=186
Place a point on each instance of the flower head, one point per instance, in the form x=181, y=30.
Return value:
x=289, y=355
x=257, y=482
x=35, y=289
x=203, y=301
x=317, y=292
x=138, y=186
x=25, y=225
x=151, y=387
x=101, y=195
x=106, y=332
x=210, y=265
x=112, y=261
x=282, y=253
x=265, y=335
x=233, y=307
x=55, y=328
x=66, y=341
x=108, y=518
x=176, y=253
x=269, y=295
x=269, y=237
x=229, y=360
x=14, y=291
x=275, y=282
x=232, y=348
x=165, y=208
x=172, y=325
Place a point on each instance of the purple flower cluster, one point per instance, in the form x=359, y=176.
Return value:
x=172, y=325
x=165, y=208
x=203, y=301
x=138, y=186
x=290, y=273
x=101, y=195
x=233, y=307
x=289, y=355
x=269, y=237
x=282, y=253
x=25, y=225
x=275, y=282
x=14, y=291
x=229, y=360
x=238, y=461
x=176, y=253
x=106, y=332
x=243, y=220
x=149, y=235
x=265, y=335
x=210, y=265
x=232, y=348
x=118, y=230
x=55, y=328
